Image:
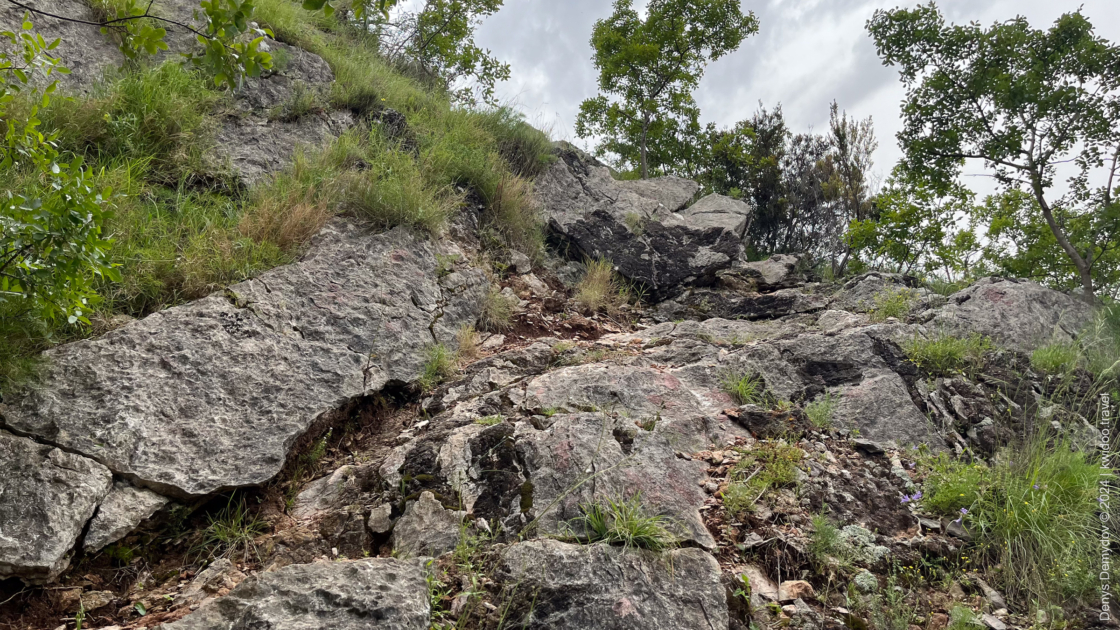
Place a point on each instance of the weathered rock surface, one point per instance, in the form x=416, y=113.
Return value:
x=211, y=395
x=672, y=192
x=377, y=592
x=600, y=587
x=427, y=528
x=83, y=49
x=1018, y=314
x=120, y=513
x=646, y=241
x=46, y=497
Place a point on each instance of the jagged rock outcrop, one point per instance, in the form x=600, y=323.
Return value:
x=427, y=528
x=662, y=247
x=377, y=592
x=600, y=587
x=46, y=497
x=211, y=395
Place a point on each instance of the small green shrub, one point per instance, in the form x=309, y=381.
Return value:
x=626, y=523
x=744, y=388
x=1056, y=358
x=601, y=289
x=232, y=530
x=439, y=367
x=489, y=421
x=893, y=303
x=826, y=546
x=1101, y=343
x=963, y=618
x=946, y=354
x=769, y=465
x=497, y=312
x=820, y=411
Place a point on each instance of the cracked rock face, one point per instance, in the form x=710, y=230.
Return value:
x=211, y=395
x=374, y=593
x=601, y=587
x=122, y=510
x=630, y=224
x=46, y=497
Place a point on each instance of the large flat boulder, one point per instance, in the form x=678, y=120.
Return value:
x=647, y=241
x=46, y=497
x=373, y=593
x=1018, y=314
x=564, y=586
x=211, y=395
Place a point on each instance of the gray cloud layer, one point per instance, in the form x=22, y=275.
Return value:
x=807, y=53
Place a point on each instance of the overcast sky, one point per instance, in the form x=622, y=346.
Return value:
x=806, y=53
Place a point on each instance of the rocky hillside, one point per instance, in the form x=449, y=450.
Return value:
x=405, y=431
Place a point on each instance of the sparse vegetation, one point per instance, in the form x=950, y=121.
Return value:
x=439, y=367
x=497, y=312
x=601, y=288
x=1056, y=358
x=894, y=303
x=744, y=388
x=820, y=411
x=468, y=347
x=946, y=354
x=229, y=532
x=625, y=523
x=769, y=465
x=826, y=547
x=489, y=421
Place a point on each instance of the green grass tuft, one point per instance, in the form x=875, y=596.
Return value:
x=820, y=411
x=769, y=465
x=439, y=367
x=945, y=354
x=229, y=532
x=626, y=523
x=893, y=303
x=744, y=388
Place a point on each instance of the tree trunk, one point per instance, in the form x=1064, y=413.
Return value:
x=1083, y=269
x=645, y=158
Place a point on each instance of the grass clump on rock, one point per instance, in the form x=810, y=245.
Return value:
x=625, y=523
x=944, y=354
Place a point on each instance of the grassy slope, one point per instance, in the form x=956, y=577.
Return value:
x=180, y=233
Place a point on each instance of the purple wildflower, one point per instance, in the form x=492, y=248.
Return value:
x=917, y=495
x=1036, y=486
x=963, y=512
x=905, y=499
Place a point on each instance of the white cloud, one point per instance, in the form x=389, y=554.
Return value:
x=807, y=53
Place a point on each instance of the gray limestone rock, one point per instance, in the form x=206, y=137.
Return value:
x=377, y=592
x=211, y=395
x=427, y=528
x=254, y=147
x=83, y=49
x=1018, y=314
x=625, y=460
x=563, y=586
x=780, y=271
x=720, y=212
x=120, y=513
x=46, y=497
x=662, y=250
x=672, y=192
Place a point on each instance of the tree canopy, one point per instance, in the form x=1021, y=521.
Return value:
x=1027, y=103
x=648, y=69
